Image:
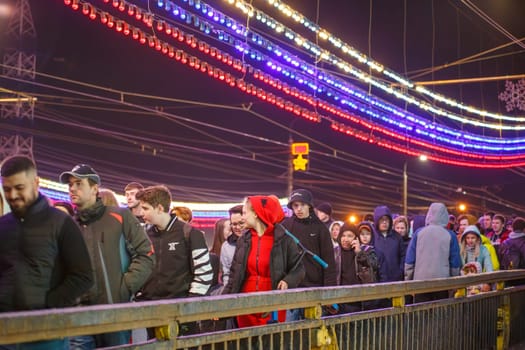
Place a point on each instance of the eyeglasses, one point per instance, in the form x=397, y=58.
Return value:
x=235, y=224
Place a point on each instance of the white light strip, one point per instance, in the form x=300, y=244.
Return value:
x=362, y=58
x=52, y=185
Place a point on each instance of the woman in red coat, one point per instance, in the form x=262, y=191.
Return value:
x=265, y=257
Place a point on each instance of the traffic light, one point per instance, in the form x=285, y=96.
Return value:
x=300, y=153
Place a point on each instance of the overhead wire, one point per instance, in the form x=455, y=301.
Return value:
x=361, y=159
x=493, y=23
x=469, y=59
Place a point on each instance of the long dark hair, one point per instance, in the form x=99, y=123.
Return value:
x=218, y=236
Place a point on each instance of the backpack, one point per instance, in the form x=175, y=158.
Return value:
x=366, y=265
x=126, y=249
x=510, y=254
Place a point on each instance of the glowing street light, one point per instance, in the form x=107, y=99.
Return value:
x=5, y=10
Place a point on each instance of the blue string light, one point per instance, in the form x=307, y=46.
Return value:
x=475, y=142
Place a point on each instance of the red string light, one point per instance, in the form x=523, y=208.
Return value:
x=204, y=67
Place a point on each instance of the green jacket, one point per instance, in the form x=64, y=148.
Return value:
x=121, y=253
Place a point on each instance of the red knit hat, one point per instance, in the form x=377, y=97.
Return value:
x=268, y=209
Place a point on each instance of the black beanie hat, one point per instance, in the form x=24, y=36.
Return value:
x=325, y=207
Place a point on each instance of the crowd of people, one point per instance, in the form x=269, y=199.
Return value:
x=89, y=251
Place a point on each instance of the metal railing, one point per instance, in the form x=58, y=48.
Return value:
x=492, y=320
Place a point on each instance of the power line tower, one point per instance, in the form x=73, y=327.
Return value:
x=11, y=145
x=19, y=64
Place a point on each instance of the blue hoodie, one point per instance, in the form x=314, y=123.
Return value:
x=390, y=245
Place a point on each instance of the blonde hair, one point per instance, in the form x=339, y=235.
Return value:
x=463, y=246
x=402, y=219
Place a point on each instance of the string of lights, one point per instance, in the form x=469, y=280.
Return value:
x=183, y=57
x=409, y=121
x=359, y=57
x=426, y=129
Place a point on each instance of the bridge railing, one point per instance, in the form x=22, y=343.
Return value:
x=488, y=320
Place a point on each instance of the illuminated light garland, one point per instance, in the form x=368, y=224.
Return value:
x=204, y=67
x=55, y=195
x=255, y=38
x=446, y=130
x=364, y=77
x=403, y=149
x=260, y=93
x=294, y=92
x=362, y=58
x=297, y=94
x=266, y=78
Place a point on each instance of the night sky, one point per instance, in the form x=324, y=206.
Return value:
x=209, y=142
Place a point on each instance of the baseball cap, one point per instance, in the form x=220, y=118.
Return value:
x=301, y=195
x=81, y=171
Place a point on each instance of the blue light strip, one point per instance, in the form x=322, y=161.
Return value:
x=58, y=195
x=410, y=119
x=55, y=195
x=334, y=60
x=362, y=58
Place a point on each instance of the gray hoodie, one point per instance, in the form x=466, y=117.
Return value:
x=433, y=251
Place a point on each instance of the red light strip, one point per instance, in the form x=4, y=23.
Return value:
x=266, y=78
x=296, y=93
x=286, y=105
x=365, y=137
x=204, y=67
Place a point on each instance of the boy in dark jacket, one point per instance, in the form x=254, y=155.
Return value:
x=183, y=262
x=389, y=244
x=314, y=235
x=371, y=262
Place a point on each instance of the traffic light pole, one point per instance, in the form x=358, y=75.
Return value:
x=289, y=188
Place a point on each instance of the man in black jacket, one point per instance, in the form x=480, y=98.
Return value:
x=314, y=235
x=44, y=262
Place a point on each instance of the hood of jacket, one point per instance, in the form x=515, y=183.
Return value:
x=268, y=210
x=471, y=229
x=515, y=234
x=437, y=215
x=379, y=212
x=370, y=228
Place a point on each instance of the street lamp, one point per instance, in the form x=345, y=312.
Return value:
x=422, y=158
